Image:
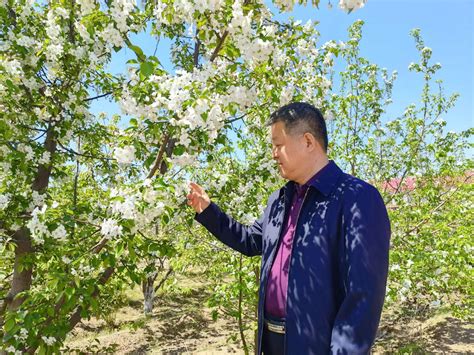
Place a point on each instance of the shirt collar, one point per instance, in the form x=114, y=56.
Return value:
x=324, y=180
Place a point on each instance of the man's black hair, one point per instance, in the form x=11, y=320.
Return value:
x=302, y=116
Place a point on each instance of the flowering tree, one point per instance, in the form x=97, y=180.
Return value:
x=83, y=200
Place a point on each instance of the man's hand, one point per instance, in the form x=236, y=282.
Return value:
x=198, y=198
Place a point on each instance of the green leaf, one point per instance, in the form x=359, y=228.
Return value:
x=146, y=68
x=9, y=324
x=10, y=84
x=179, y=150
x=119, y=249
x=138, y=51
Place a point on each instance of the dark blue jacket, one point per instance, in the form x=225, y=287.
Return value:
x=339, y=262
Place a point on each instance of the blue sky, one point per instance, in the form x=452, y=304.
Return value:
x=446, y=26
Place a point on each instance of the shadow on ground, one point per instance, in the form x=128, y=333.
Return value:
x=180, y=323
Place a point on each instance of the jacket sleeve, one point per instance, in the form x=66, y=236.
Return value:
x=244, y=239
x=363, y=271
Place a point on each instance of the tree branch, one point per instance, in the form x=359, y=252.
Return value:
x=72, y=151
x=162, y=281
x=197, y=44
x=159, y=157
x=219, y=46
x=98, y=96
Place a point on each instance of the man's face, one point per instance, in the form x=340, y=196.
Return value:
x=288, y=151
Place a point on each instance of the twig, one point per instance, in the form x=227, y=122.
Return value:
x=98, y=96
x=162, y=281
x=159, y=157
x=197, y=44
x=219, y=46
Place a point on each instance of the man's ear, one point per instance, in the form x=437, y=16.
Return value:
x=310, y=141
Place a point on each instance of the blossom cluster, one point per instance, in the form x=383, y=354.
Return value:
x=351, y=5
x=4, y=201
x=37, y=227
x=125, y=155
x=110, y=228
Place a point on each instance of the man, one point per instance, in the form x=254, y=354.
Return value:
x=324, y=240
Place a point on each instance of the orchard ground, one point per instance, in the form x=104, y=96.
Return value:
x=182, y=323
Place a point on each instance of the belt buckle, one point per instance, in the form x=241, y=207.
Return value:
x=275, y=327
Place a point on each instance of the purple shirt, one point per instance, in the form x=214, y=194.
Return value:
x=275, y=298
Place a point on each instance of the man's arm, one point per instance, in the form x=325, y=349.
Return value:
x=364, y=269
x=244, y=239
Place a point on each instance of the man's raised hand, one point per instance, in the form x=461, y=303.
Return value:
x=198, y=198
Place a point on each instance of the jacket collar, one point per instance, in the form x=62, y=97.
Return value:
x=324, y=180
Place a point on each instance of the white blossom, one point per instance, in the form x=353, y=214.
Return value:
x=395, y=267
x=426, y=51
x=31, y=83
x=351, y=5
x=26, y=41
x=52, y=28
x=37, y=228
x=85, y=269
x=37, y=199
x=150, y=195
x=23, y=332
x=287, y=94
x=87, y=6
x=45, y=158
x=183, y=160
x=48, y=340
x=112, y=36
x=125, y=208
x=285, y=5
x=184, y=139
x=59, y=233
x=27, y=150
x=110, y=228
x=125, y=155
x=22, y=336
x=329, y=115
x=239, y=21
x=4, y=201
x=82, y=30
x=12, y=67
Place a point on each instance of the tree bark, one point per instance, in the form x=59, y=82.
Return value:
x=256, y=271
x=241, y=322
x=148, y=294
x=22, y=272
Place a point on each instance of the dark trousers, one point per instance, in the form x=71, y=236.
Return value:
x=272, y=342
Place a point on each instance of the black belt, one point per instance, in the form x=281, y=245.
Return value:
x=275, y=326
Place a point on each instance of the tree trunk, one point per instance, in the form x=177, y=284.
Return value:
x=22, y=273
x=240, y=314
x=148, y=294
x=256, y=271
